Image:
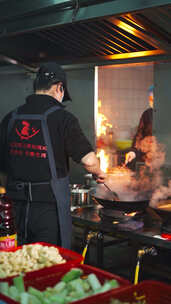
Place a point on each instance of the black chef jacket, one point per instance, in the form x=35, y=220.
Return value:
x=144, y=127
x=66, y=136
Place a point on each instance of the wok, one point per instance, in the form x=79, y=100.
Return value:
x=164, y=214
x=122, y=205
x=163, y=208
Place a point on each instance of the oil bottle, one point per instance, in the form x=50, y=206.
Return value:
x=8, y=234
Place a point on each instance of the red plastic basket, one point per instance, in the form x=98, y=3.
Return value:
x=7, y=300
x=153, y=292
x=51, y=277
x=72, y=258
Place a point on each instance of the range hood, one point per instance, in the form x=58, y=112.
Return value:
x=83, y=31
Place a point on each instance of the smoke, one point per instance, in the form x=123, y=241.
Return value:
x=154, y=159
x=162, y=193
x=154, y=153
x=144, y=184
x=130, y=186
x=119, y=181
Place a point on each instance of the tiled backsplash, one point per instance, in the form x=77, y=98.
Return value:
x=123, y=91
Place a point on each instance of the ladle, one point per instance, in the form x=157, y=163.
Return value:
x=114, y=194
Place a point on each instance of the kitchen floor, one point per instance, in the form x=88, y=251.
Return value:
x=120, y=258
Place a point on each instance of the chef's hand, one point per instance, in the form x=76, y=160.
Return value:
x=129, y=157
x=91, y=164
x=100, y=178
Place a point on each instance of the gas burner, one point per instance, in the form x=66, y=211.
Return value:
x=114, y=216
x=123, y=221
x=117, y=216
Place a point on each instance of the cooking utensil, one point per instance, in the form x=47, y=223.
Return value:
x=126, y=206
x=114, y=194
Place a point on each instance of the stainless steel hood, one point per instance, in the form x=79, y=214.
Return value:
x=84, y=31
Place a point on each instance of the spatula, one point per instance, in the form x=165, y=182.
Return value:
x=114, y=194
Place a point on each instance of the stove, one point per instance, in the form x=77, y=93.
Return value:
x=166, y=230
x=122, y=219
x=113, y=215
x=165, y=222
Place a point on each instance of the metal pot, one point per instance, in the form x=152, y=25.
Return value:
x=79, y=197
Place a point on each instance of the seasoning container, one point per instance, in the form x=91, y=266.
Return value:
x=8, y=234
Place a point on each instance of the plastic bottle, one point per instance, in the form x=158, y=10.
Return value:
x=8, y=234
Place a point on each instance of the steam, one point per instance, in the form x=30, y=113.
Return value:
x=162, y=193
x=128, y=185
x=154, y=153
x=146, y=183
x=118, y=181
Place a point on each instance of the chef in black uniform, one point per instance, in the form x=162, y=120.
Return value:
x=144, y=129
x=36, y=141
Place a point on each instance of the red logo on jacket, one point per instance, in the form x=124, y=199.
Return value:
x=27, y=131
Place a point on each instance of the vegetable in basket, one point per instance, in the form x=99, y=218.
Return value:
x=74, y=285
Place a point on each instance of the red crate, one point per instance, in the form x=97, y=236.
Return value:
x=52, y=277
x=153, y=292
x=7, y=300
x=72, y=258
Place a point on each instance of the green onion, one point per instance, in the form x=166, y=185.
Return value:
x=4, y=288
x=94, y=282
x=19, y=283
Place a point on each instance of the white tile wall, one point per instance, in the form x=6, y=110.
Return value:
x=123, y=91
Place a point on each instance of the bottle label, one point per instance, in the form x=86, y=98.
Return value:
x=8, y=242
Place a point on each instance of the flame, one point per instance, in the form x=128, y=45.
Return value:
x=102, y=132
x=102, y=125
x=104, y=160
x=131, y=214
x=120, y=171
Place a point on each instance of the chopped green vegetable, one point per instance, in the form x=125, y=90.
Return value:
x=72, y=287
x=13, y=293
x=33, y=300
x=104, y=288
x=57, y=299
x=19, y=283
x=70, y=299
x=114, y=283
x=24, y=298
x=4, y=288
x=62, y=293
x=86, y=285
x=77, y=285
x=60, y=286
x=74, y=273
x=46, y=301
x=94, y=282
x=35, y=292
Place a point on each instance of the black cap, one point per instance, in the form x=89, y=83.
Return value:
x=53, y=71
